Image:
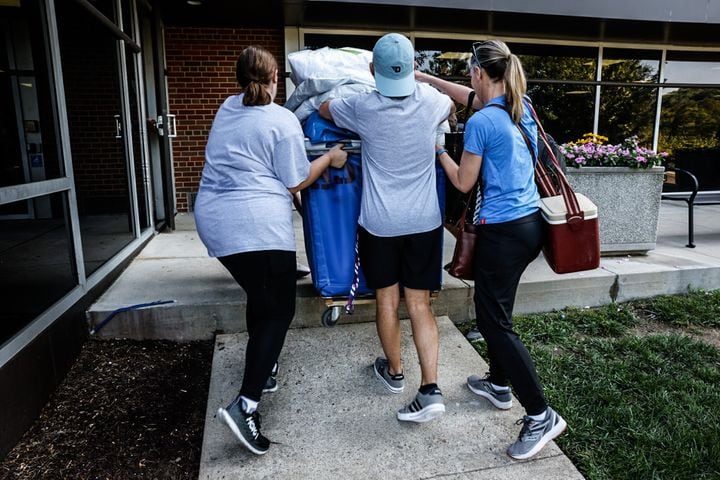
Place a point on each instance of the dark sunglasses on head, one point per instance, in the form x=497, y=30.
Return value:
x=475, y=58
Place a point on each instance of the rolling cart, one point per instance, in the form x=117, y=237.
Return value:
x=330, y=210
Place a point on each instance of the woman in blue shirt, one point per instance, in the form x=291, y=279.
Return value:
x=510, y=230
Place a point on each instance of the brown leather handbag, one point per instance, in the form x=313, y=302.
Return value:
x=462, y=265
x=455, y=201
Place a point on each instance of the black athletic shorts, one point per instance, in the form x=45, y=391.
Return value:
x=413, y=260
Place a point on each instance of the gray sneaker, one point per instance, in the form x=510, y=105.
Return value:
x=394, y=383
x=483, y=387
x=424, y=408
x=535, y=435
x=474, y=335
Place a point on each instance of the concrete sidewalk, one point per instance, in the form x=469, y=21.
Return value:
x=175, y=266
x=331, y=418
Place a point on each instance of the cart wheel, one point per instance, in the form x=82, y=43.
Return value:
x=331, y=316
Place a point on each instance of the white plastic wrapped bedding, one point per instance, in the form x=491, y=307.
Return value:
x=327, y=73
x=313, y=92
x=331, y=63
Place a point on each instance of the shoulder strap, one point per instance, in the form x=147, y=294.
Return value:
x=470, y=100
x=542, y=178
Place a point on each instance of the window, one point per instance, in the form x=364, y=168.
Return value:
x=627, y=65
x=627, y=111
x=558, y=79
x=36, y=261
x=313, y=41
x=93, y=97
x=28, y=150
x=690, y=117
x=555, y=62
x=565, y=110
x=692, y=67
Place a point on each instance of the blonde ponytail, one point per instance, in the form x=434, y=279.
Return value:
x=515, y=88
x=500, y=64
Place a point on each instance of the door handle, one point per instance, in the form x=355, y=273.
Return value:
x=118, y=127
x=171, y=125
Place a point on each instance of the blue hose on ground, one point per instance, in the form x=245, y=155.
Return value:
x=110, y=316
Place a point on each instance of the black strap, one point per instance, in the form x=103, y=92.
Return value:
x=522, y=132
x=470, y=100
x=474, y=191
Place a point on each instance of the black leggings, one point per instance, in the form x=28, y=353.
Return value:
x=503, y=251
x=268, y=278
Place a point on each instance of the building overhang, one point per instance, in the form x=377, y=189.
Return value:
x=681, y=22
x=692, y=11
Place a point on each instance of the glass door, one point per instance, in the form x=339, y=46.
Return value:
x=94, y=79
x=151, y=58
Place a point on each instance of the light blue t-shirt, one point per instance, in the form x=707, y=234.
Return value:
x=399, y=194
x=253, y=155
x=508, y=177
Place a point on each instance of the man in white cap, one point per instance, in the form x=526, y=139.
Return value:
x=400, y=231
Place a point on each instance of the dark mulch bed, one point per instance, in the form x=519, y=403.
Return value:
x=127, y=409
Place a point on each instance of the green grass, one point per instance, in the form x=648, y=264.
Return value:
x=698, y=308
x=638, y=407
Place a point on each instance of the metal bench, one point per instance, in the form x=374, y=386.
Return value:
x=692, y=198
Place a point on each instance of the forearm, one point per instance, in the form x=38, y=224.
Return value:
x=317, y=167
x=463, y=176
x=451, y=169
x=457, y=92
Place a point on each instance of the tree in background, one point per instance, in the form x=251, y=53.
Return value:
x=690, y=119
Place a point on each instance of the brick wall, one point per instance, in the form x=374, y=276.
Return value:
x=93, y=99
x=201, y=74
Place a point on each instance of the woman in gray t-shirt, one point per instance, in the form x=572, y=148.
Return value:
x=254, y=160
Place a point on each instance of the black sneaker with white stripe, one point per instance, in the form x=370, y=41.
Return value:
x=245, y=426
x=425, y=407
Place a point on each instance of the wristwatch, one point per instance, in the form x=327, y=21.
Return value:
x=440, y=151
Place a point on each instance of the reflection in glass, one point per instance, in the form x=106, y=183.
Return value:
x=627, y=111
x=566, y=111
x=36, y=267
x=443, y=57
x=690, y=131
x=28, y=151
x=627, y=65
x=443, y=64
x=94, y=111
x=555, y=62
x=692, y=67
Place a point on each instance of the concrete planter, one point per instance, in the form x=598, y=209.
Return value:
x=628, y=201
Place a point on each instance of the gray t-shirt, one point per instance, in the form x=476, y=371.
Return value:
x=398, y=152
x=253, y=155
